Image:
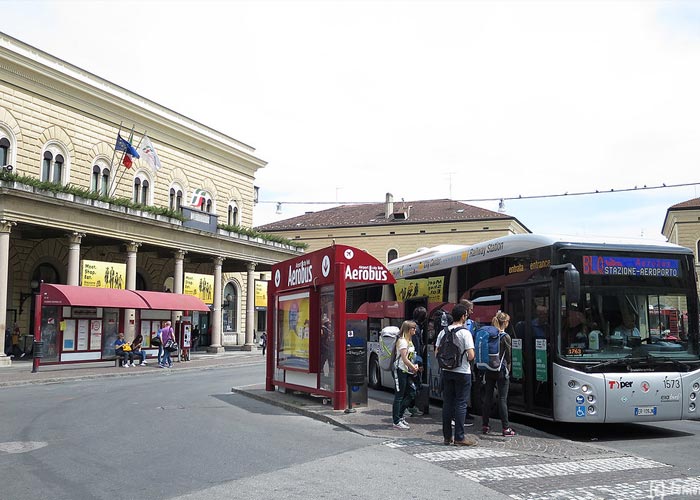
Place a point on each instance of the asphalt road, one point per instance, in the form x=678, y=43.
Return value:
x=184, y=435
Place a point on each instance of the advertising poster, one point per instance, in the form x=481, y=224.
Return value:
x=517, y=359
x=260, y=294
x=422, y=287
x=541, y=360
x=199, y=285
x=97, y=274
x=293, y=319
x=83, y=330
x=95, y=334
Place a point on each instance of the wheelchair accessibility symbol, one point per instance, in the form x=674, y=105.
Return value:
x=580, y=411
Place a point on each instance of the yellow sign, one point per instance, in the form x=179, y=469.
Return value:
x=96, y=274
x=422, y=287
x=200, y=285
x=261, y=294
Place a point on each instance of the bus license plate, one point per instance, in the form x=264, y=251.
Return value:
x=642, y=411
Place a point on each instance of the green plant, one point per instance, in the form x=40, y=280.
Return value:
x=263, y=236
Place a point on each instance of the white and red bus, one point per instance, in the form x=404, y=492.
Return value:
x=603, y=330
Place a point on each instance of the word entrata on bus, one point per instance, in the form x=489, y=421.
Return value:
x=602, y=330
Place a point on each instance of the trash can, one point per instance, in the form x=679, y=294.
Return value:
x=356, y=365
x=38, y=350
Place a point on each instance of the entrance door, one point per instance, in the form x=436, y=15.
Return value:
x=531, y=374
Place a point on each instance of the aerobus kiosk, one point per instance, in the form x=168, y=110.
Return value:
x=316, y=342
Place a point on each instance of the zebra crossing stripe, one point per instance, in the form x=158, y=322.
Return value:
x=445, y=456
x=533, y=471
x=651, y=490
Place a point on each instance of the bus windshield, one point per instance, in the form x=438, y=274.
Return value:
x=615, y=322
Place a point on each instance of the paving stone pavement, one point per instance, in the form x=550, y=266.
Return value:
x=533, y=465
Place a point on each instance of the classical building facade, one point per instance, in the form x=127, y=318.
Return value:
x=393, y=229
x=59, y=126
x=682, y=227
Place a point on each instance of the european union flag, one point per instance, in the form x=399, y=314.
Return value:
x=124, y=145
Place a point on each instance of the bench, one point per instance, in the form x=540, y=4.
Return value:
x=119, y=359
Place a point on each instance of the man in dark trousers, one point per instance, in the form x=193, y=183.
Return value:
x=419, y=316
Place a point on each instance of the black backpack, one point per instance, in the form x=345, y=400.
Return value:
x=449, y=355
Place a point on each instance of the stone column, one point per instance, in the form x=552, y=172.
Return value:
x=215, y=323
x=130, y=314
x=5, y=229
x=74, y=240
x=178, y=279
x=250, y=307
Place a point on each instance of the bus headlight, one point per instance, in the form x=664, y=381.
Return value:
x=591, y=398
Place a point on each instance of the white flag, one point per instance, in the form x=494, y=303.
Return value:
x=148, y=153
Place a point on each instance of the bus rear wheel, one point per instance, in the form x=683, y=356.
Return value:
x=375, y=375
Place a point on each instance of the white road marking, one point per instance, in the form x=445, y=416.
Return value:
x=472, y=453
x=649, y=490
x=598, y=465
x=21, y=446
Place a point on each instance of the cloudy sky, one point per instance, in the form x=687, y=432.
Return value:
x=349, y=100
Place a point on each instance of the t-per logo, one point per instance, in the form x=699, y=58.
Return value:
x=614, y=384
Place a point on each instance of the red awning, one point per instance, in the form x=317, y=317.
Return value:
x=172, y=301
x=68, y=295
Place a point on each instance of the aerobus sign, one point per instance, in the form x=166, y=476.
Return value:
x=631, y=266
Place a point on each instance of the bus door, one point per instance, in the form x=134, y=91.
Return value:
x=530, y=377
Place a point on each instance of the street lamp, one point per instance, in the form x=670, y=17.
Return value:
x=24, y=296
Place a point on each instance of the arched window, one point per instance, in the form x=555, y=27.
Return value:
x=232, y=215
x=175, y=199
x=141, y=192
x=202, y=200
x=230, y=308
x=4, y=151
x=392, y=254
x=100, y=179
x=208, y=206
x=53, y=166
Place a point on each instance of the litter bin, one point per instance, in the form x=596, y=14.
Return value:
x=38, y=349
x=356, y=365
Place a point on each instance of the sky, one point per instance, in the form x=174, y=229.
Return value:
x=350, y=100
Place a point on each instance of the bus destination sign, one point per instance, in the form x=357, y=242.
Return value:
x=631, y=266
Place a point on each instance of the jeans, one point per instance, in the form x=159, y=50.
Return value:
x=160, y=354
x=166, y=358
x=455, y=390
x=142, y=354
x=405, y=395
x=501, y=380
x=128, y=356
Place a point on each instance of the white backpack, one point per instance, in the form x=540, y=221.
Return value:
x=387, y=346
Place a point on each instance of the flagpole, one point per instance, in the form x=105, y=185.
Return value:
x=111, y=164
x=137, y=147
x=113, y=186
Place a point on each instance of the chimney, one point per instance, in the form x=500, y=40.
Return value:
x=389, y=206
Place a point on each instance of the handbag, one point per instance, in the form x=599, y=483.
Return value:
x=170, y=346
x=155, y=341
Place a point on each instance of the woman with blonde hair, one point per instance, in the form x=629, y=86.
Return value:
x=500, y=378
x=404, y=368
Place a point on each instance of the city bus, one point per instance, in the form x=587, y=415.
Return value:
x=602, y=330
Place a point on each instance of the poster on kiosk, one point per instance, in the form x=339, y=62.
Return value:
x=317, y=342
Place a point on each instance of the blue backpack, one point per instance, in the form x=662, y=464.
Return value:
x=488, y=349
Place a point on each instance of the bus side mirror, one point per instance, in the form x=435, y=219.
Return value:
x=572, y=285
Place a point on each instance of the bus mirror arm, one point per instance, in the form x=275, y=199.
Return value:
x=572, y=281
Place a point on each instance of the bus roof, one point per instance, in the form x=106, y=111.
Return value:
x=447, y=256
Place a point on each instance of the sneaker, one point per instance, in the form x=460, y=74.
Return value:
x=401, y=425
x=448, y=442
x=125, y=365
x=415, y=412
x=508, y=432
x=467, y=441
x=486, y=429
x=132, y=364
x=144, y=362
x=161, y=365
x=170, y=365
x=468, y=421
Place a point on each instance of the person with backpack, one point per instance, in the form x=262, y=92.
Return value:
x=497, y=374
x=454, y=349
x=405, y=370
x=419, y=316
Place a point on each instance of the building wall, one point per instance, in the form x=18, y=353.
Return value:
x=404, y=237
x=682, y=227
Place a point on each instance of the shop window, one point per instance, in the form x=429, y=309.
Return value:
x=230, y=308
